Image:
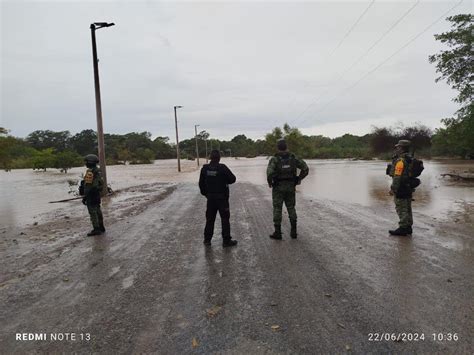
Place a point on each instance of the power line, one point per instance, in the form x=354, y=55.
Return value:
x=380, y=38
x=352, y=28
x=344, y=91
x=343, y=38
x=362, y=56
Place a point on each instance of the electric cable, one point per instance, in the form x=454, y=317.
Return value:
x=344, y=38
x=345, y=90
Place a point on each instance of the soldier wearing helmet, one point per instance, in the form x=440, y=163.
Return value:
x=90, y=189
x=401, y=189
x=282, y=178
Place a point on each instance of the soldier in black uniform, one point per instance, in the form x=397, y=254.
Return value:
x=214, y=184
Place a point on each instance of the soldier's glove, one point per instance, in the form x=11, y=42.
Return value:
x=84, y=201
x=297, y=180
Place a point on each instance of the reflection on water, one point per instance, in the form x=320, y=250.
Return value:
x=25, y=193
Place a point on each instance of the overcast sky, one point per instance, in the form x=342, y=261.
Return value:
x=235, y=67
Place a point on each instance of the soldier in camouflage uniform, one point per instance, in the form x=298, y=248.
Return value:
x=401, y=189
x=91, y=188
x=282, y=178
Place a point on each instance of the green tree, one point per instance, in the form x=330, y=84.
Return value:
x=271, y=140
x=43, y=159
x=124, y=155
x=143, y=156
x=49, y=139
x=7, y=144
x=456, y=66
x=115, y=144
x=162, y=148
x=66, y=160
x=84, y=142
x=419, y=135
x=134, y=141
x=15, y=153
x=243, y=146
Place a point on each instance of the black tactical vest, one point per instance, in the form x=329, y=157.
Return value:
x=216, y=184
x=286, y=166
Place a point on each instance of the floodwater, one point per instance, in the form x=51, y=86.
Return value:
x=25, y=194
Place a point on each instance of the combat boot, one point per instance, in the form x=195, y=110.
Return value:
x=400, y=231
x=293, y=233
x=102, y=228
x=277, y=234
x=229, y=243
x=93, y=232
x=207, y=241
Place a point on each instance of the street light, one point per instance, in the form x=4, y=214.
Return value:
x=196, y=137
x=98, y=106
x=177, y=140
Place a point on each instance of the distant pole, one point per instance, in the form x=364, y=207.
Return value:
x=196, y=138
x=177, y=140
x=205, y=140
x=98, y=104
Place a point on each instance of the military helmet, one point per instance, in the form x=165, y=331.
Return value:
x=91, y=158
x=404, y=143
x=281, y=144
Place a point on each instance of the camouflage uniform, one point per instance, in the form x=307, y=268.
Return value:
x=283, y=183
x=402, y=190
x=93, y=184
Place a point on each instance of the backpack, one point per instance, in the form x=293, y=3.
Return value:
x=416, y=167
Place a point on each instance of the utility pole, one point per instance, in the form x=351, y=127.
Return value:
x=205, y=140
x=177, y=140
x=196, y=137
x=98, y=105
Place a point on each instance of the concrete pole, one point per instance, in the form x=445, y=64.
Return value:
x=177, y=140
x=98, y=109
x=196, y=138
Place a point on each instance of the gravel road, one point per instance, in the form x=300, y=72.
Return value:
x=150, y=285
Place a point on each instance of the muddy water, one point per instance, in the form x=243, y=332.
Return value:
x=24, y=194
x=365, y=183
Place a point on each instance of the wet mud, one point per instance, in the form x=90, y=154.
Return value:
x=150, y=285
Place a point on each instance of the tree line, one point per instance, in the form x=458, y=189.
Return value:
x=44, y=149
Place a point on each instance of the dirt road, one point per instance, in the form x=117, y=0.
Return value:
x=149, y=285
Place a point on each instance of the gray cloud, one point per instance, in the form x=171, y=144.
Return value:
x=235, y=67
